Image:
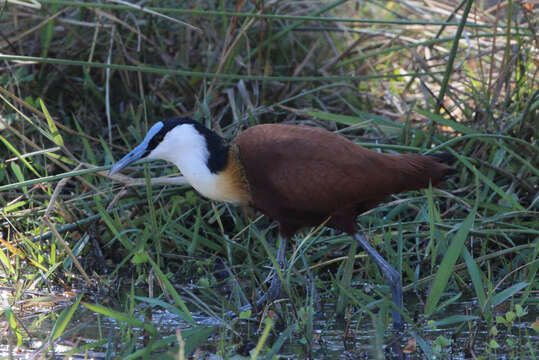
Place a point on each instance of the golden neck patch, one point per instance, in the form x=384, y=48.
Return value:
x=233, y=185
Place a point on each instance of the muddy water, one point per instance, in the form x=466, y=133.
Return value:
x=351, y=338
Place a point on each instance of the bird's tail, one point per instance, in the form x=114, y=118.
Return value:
x=416, y=171
x=448, y=159
x=444, y=158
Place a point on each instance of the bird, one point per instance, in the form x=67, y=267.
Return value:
x=299, y=176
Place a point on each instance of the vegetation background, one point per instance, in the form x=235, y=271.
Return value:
x=100, y=267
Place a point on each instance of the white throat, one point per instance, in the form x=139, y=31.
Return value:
x=187, y=149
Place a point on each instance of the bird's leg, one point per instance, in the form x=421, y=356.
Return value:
x=274, y=290
x=392, y=276
x=311, y=287
x=275, y=286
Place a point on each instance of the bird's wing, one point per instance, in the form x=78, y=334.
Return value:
x=305, y=168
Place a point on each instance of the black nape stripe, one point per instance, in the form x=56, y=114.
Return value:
x=217, y=147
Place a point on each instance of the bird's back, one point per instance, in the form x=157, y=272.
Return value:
x=302, y=175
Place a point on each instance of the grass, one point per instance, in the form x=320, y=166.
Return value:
x=112, y=268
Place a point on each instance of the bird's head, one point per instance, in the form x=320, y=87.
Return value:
x=177, y=140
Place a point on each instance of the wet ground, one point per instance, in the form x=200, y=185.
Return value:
x=353, y=337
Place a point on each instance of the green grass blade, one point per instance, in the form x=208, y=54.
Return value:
x=447, y=122
x=488, y=182
x=423, y=345
x=55, y=134
x=280, y=341
x=448, y=263
x=346, y=280
x=193, y=338
x=207, y=75
x=4, y=260
x=337, y=118
x=172, y=291
x=156, y=302
x=432, y=212
x=13, y=206
x=121, y=317
x=454, y=319
x=262, y=339
x=13, y=325
x=112, y=224
x=532, y=274
x=47, y=179
x=291, y=27
x=452, y=55
x=19, y=155
x=64, y=319
x=475, y=275
x=47, y=32
x=224, y=13
x=507, y=293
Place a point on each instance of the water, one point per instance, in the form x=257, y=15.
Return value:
x=351, y=337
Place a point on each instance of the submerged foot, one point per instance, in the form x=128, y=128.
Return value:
x=273, y=293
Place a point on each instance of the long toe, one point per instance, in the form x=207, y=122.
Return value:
x=273, y=292
x=261, y=302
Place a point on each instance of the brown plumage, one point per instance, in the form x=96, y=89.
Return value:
x=298, y=175
x=301, y=175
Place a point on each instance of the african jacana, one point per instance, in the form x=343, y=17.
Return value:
x=298, y=175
